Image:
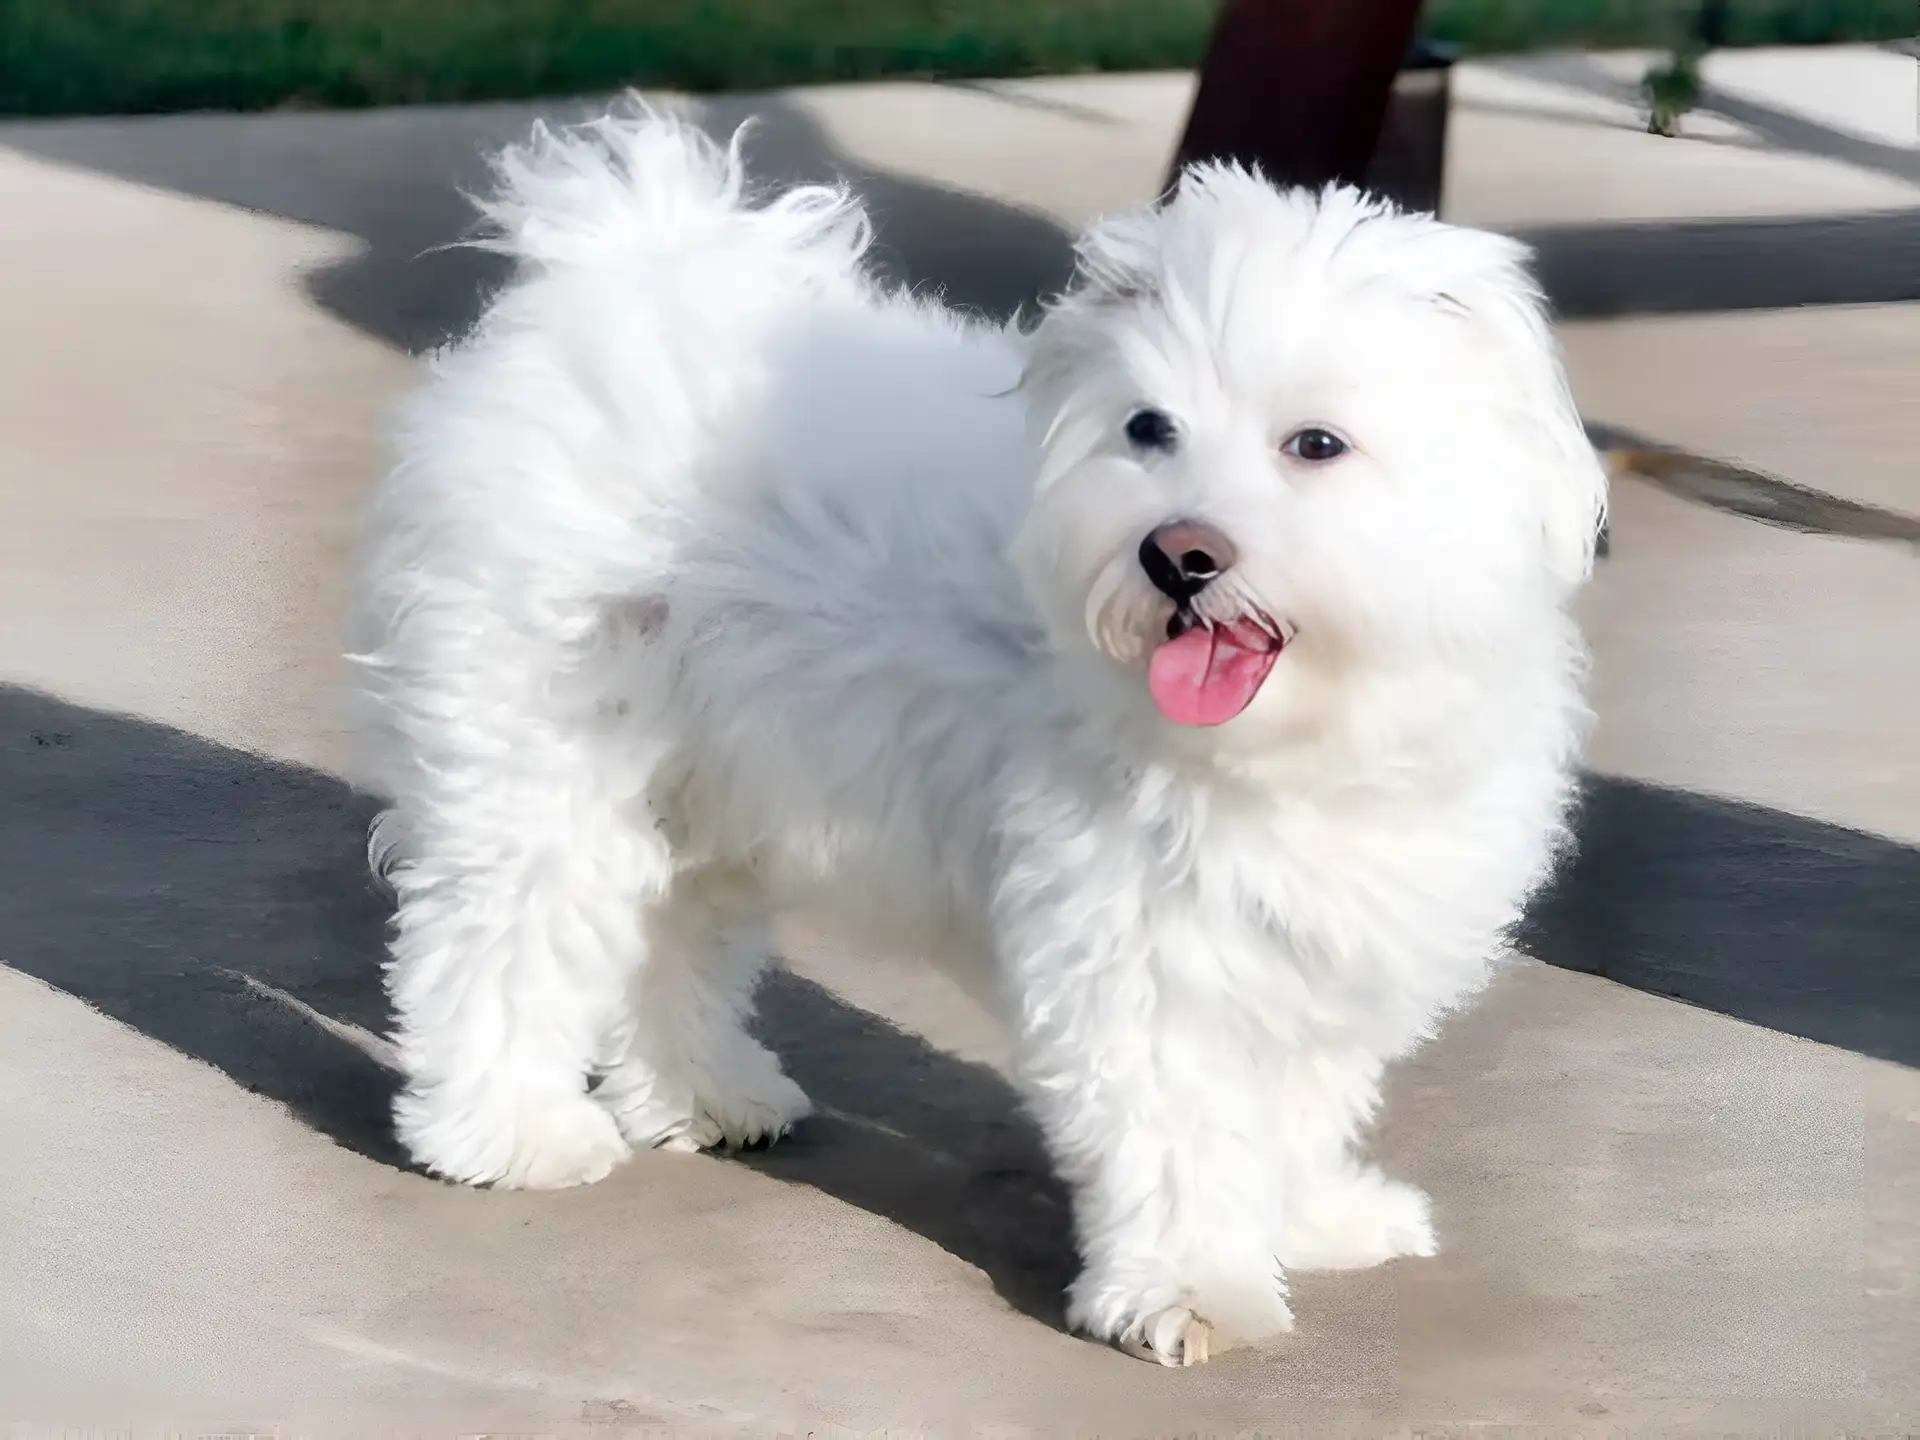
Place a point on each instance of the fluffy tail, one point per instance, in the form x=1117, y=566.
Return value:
x=643, y=184
x=552, y=454
x=651, y=282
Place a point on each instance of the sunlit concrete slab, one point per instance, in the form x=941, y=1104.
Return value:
x=1654, y=1214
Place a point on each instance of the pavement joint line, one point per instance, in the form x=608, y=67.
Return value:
x=381, y=1051
x=1010, y=92
x=386, y=1054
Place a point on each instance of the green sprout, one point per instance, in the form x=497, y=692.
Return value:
x=1672, y=90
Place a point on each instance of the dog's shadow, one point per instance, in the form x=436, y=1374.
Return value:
x=219, y=903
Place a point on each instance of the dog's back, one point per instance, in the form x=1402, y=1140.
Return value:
x=691, y=457
x=553, y=465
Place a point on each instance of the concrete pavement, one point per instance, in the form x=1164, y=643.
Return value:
x=1679, y=1216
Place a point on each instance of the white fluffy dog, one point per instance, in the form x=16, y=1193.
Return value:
x=1192, y=674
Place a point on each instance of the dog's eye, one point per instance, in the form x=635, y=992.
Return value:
x=1151, y=429
x=1314, y=444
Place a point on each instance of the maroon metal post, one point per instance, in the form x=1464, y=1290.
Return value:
x=1298, y=87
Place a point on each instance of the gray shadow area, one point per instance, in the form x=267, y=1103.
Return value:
x=1686, y=267
x=1778, y=129
x=152, y=874
x=1773, y=919
x=1764, y=262
x=976, y=253
x=394, y=179
x=1784, y=130
x=1550, y=115
x=398, y=180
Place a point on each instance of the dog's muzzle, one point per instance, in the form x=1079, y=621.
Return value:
x=1184, y=557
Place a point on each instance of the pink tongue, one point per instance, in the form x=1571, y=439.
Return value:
x=1206, y=677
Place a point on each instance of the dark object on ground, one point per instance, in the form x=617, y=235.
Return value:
x=1410, y=160
x=1766, y=498
x=1298, y=88
x=1672, y=90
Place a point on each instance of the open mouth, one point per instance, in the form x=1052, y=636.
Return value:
x=1208, y=671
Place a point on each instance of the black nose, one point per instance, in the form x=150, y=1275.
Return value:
x=1183, y=558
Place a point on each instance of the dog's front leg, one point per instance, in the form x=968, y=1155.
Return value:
x=1157, y=1132
x=1341, y=1213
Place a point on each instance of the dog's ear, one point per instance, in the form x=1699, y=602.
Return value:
x=1114, y=261
x=1503, y=300
x=1115, y=269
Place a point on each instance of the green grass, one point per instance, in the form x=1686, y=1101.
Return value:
x=1489, y=26
x=77, y=56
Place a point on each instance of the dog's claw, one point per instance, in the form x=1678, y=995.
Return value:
x=1175, y=1337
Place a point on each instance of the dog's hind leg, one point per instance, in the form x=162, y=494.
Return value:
x=518, y=929
x=689, y=1076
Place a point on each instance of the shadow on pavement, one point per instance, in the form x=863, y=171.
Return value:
x=397, y=179
x=152, y=874
x=1750, y=263
x=1777, y=128
x=1774, y=919
x=147, y=872
x=1684, y=267
x=394, y=179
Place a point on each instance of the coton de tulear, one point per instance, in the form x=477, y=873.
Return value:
x=1190, y=672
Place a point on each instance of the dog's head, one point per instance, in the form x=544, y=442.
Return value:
x=1290, y=433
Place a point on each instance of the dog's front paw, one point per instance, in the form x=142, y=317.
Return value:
x=1177, y=1325
x=736, y=1121
x=1360, y=1221
x=751, y=1102
x=523, y=1144
x=760, y=1114
x=1172, y=1337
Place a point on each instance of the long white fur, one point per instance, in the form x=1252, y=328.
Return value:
x=714, y=578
